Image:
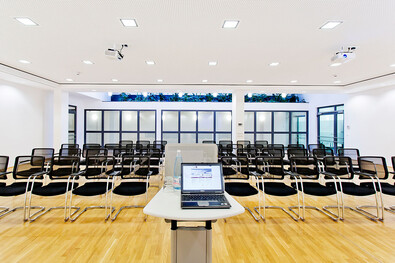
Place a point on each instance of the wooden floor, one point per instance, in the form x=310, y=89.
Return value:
x=240, y=239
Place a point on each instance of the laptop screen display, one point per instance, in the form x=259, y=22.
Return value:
x=201, y=178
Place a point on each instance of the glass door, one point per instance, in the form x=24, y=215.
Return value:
x=331, y=126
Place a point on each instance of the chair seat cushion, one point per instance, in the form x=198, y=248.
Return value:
x=352, y=189
x=386, y=188
x=91, y=189
x=16, y=188
x=131, y=188
x=278, y=189
x=53, y=189
x=240, y=189
x=312, y=188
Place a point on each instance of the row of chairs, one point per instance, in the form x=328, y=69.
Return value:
x=305, y=172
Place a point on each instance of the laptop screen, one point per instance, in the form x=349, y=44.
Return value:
x=201, y=177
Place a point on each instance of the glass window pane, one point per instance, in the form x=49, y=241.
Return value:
x=327, y=130
x=340, y=130
x=250, y=137
x=298, y=121
x=93, y=138
x=281, y=121
x=71, y=122
x=223, y=136
x=188, y=120
x=326, y=109
x=205, y=137
x=281, y=138
x=129, y=136
x=249, y=121
x=170, y=137
x=147, y=137
x=339, y=108
x=264, y=137
x=299, y=138
x=129, y=120
x=111, y=120
x=224, y=121
x=264, y=121
x=188, y=137
x=170, y=120
x=147, y=120
x=111, y=138
x=206, y=121
x=93, y=121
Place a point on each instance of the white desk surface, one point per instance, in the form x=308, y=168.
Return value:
x=168, y=205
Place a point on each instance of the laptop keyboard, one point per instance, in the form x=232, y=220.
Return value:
x=197, y=197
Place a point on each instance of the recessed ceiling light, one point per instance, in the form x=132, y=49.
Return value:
x=331, y=24
x=337, y=81
x=335, y=64
x=294, y=81
x=230, y=23
x=114, y=80
x=88, y=62
x=159, y=80
x=204, y=81
x=212, y=63
x=274, y=64
x=150, y=62
x=24, y=61
x=26, y=21
x=249, y=81
x=129, y=22
x=69, y=79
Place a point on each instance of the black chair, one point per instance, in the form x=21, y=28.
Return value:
x=307, y=169
x=223, y=146
x=110, y=148
x=71, y=152
x=88, y=146
x=297, y=152
x=321, y=153
x=208, y=141
x=295, y=146
x=353, y=153
x=374, y=174
x=134, y=176
x=263, y=143
x=3, y=176
x=63, y=168
x=341, y=168
x=311, y=147
x=239, y=184
x=390, y=190
x=98, y=172
x=126, y=144
x=244, y=143
x=69, y=146
x=271, y=172
x=92, y=152
x=47, y=153
x=26, y=170
x=163, y=143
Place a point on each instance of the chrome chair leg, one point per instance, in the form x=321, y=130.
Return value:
x=124, y=207
x=331, y=215
x=326, y=208
x=32, y=219
x=5, y=209
x=72, y=219
x=390, y=209
x=274, y=207
x=378, y=198
x=249, y=210
x=41, y=208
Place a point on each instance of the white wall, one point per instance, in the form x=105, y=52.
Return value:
x=25, y=117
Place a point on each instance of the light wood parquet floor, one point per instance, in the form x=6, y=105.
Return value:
x=240, y=239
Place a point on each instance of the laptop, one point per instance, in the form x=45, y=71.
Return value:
x=202, y=186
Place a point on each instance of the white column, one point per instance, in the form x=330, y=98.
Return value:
x=60, y=117
x=237, y=115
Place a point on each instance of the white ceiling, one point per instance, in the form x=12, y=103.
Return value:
x=182, y=36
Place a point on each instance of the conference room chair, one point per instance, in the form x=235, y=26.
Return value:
x=295, y=146
x=238, y=184
x=307, y=170
x=110, y=148
x=208, y=141
x=134, y=177
x=296, y=152
x=126, y=143
x=311, y=147
x=353, y=153
x=271, y=172
x=142, y=145
x=262, y=142
x=163, y=143
x=3, y=176
x=277, y=150
x=72, y=152
x=92, y=152
x=374, y=174
x=47, y=153
x=69, y=146
x=320, y=153
x=27, y=172
x=390, y=190
x=341, y=168
x=63, y=168
x=243, y=143
x=223, y=147
x=98, y=173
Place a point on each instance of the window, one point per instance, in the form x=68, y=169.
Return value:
x=191, y=126
x=111, y=126
x=283, y=127
x=72, y=135
x=331, y=126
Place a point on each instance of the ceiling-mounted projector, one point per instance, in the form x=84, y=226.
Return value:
x=344, y=56
x=115, y=53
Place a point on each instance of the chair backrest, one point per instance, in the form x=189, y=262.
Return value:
x=70, y=152
x=244, y=143
x=276, y=150
x=144, y=165
x=163, y=143
x=321, y=153
x=110, y=147
x=69, y=146
x=127, y=165
x=3, y=166
x=339, y=165
x=27, y=165
x=295, y=152
x=208, y=141
x=374, y=165
x=96, y=152
x=228, y=166
x=125, y=143
x=262, y=142
x=118, y=152
x=305, y=167
x=99, y=166
x=47, y=153
x=224, y=143
x=63, y=166
x=272, y=166
x=353, y=153
x=393, y=164
x=295, y=146
x=88, y=146
x=315, y=146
